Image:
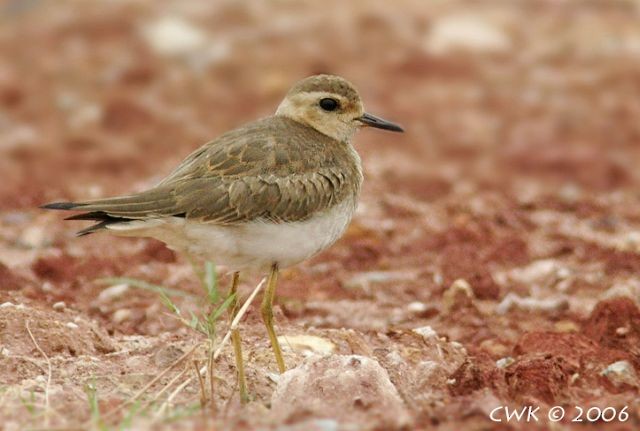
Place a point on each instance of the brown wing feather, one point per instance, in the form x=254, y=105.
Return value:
x=256, y=172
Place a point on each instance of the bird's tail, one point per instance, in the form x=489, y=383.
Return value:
x=103, y=211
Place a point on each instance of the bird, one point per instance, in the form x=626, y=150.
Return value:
x=265, y=196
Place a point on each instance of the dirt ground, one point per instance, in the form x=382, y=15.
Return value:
x=493, y=261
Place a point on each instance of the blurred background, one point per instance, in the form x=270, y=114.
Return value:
x=98, y=96
x=518, y=171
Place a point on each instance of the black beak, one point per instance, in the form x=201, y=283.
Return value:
x=379, y=123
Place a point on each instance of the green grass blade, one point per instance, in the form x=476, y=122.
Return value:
x=169, y=303
x=211, y=282
x=92, y=397
x=213, y=316
x=128, y=419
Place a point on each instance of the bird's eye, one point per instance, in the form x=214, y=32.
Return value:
x=329, y=104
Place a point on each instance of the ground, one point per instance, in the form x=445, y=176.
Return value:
x=493, y=260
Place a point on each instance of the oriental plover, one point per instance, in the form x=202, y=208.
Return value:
x=262, y=197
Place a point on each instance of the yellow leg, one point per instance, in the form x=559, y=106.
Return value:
x=267, y=315
x=237, y=343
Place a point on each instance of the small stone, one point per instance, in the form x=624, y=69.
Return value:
x=306, y=343
x=458, y=295
x=71, y=325
x=59, y=306
x=365, y=280
x=420, y=309
x=172, y=35
x=463, y=32
x=416, y=307
x=621, y=373
x=548, y=305
x=543, y=273
x=566, y=326
x=622, y=331
x=427, y=333
x=113, y=292
x=505, y=362
x=121, y=315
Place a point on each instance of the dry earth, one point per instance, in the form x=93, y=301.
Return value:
x=518, y=174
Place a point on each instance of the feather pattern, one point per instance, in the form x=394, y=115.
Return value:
x=261, y=171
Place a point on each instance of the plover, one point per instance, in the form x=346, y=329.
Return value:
x=265, y=196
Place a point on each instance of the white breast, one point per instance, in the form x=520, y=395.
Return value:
x=255, y=245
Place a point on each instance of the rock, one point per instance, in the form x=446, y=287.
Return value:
x=365, y=280
x=113, y=292
x=505, y=362
x=466, y=33
x=59, y=306
x=172, y=35
x=427, y=333
x=540, y=377
x=548, y=305
x=349, y=389
x=621, y=373
x=420, y=309
x=541, y=273
x=121, y=315
x=566, y=326
x=417, y=307
x=458, y=295
x=615, y=323
x=306, y=343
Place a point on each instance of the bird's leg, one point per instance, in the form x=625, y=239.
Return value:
x=267, y=315
x=237, y=343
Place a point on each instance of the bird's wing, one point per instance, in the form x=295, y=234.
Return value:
x=244, y=175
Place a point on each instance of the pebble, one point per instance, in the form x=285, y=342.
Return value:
x=621, y=372
x=459, y=294
x=113, y=292
x=59, y=306
x=121, y=315
x=352, y=389
x=306, y=343
x=172, y=35
x=417, y=307
x=426, y=332
x=466, y=32
x=549, y=305
x=505, y=362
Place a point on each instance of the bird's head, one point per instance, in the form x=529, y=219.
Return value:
x=331, y=105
